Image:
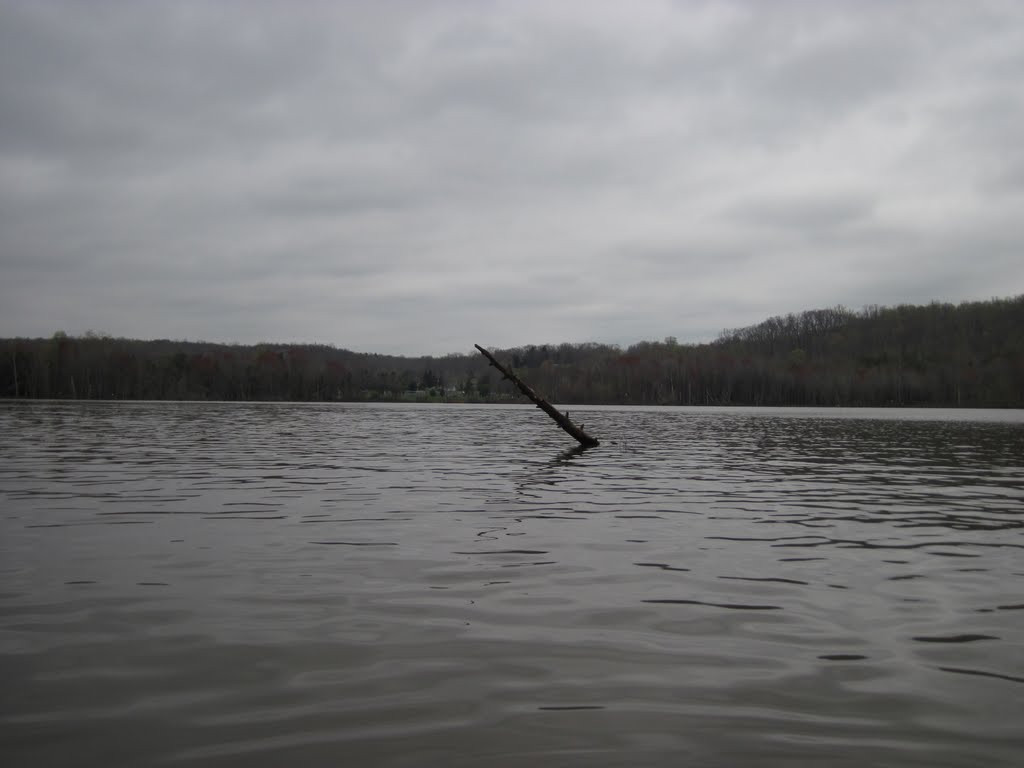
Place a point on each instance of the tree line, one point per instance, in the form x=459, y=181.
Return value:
x=968, y=355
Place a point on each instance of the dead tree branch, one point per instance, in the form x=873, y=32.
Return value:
x=560, y=418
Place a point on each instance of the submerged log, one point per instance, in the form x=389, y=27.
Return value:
x=561, y=419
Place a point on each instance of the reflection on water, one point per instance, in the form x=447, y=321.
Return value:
x=229, y=584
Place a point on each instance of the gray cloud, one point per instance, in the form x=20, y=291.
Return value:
x=416, y=177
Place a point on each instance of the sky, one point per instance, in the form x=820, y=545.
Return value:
x=416, y=177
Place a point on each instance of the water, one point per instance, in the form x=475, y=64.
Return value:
x=275, y=584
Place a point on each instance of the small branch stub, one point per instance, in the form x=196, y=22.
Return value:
x=560, y=418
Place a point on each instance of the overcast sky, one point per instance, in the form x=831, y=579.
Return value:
x=417, y=177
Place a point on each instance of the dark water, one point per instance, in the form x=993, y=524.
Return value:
x=265, y=585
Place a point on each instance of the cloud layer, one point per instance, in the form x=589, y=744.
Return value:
x=414, y=177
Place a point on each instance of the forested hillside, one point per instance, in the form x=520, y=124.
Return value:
x=970, y=354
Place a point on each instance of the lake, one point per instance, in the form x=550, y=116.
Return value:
x=412, y=585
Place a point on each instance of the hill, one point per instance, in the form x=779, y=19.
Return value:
x=968, y=355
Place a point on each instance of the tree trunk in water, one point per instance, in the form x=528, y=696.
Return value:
x=560, y=418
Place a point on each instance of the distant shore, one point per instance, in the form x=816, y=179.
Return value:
x=939, y=355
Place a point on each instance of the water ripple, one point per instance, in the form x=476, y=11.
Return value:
x=268, y=583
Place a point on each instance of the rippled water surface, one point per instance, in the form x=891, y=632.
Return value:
x=279, y=584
